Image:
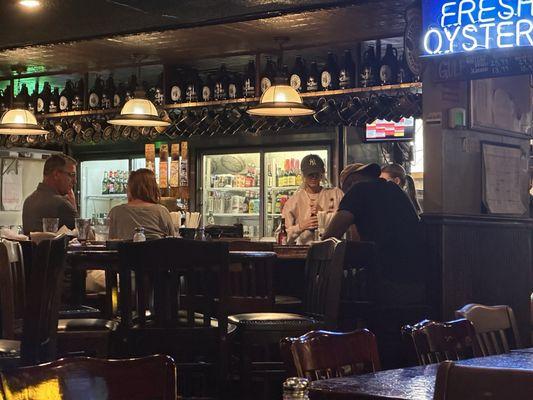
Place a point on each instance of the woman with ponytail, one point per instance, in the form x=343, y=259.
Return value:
x=396, y=173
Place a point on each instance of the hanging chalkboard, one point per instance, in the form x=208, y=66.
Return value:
x=479, y=66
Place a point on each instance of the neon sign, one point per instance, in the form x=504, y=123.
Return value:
x=469, y=25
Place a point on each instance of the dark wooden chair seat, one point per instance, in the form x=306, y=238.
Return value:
x=495, y=326
x=259, y=334
x=324, y=355
x=435, y=342
x=77, y=378
x=458, y=382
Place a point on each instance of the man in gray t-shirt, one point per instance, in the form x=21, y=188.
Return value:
x=54, y=196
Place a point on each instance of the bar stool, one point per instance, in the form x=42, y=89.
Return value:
x=265, y=330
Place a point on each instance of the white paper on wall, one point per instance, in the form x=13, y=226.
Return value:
x=11, y=185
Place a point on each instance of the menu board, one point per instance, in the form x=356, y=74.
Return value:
x=479, y=66
x=502, y=166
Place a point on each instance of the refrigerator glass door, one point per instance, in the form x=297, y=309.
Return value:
x=283, y=178
x=231, y=191
x=102, y=186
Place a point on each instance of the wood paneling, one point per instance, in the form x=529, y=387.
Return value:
x=480, y=259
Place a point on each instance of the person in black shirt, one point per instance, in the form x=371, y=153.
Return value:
x=382, y=213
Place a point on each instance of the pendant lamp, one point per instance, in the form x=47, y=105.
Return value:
x=280, y=100
x=139, y=111
x=20, y=122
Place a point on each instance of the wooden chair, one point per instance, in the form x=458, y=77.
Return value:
x=458, y=382
x=75, y=336
x=259, y=334
x=435, y=342
x=323, y=355
x=38, y=341
x=495, y=326
x=178, y=307
x=151, y=377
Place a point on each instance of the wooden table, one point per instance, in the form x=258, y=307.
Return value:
x=98, y=257
x=415, y=383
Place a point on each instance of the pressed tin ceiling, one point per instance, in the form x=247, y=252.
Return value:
x=210, y=29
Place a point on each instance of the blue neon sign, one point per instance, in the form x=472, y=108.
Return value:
x=469, y=25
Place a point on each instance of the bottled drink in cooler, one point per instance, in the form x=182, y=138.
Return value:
x=105, y=184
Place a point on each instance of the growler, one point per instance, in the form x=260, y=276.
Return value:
x=66, y=97
x=329, y=78
x=234, y=86
x=221, y=84
x=248, y=83
x=347, y=71
x=33, y=98
x=77, y=102
x=388, y=71
x=298, y=78
x=22, y=98
x=120, y=95
x=157, y=92
x=176, y=90
x=313, y=78
x=193, y=86
x=268, y=75
x=130, y=88
x=404, y=73
x=95, y=95
x=207, y=89
x=43, y=100
x=53, y=106
x=109, y=94
x=369, y=68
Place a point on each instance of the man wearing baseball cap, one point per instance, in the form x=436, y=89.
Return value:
x=301, y=209
x=382, y=213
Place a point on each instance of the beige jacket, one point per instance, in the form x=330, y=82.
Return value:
x=298, y=208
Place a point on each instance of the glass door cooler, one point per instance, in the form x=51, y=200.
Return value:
x=231, y=190
x=251, y=188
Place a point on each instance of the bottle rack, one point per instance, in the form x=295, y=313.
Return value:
x=251, y=100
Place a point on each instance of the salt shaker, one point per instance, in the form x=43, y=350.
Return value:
x=139, y=236
x=295, y=389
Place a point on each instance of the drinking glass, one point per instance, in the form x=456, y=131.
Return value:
x=50, y=224
x=83, y=225
x=101, y=229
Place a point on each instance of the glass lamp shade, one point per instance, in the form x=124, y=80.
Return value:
x=280, y=101
x=20, y=122
x=139, y=112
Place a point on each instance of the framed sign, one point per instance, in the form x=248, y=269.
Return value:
x=466, y=26
x=502, y=168
x=501, y=105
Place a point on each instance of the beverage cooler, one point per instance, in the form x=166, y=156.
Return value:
x=103, y=184
x=251, y=187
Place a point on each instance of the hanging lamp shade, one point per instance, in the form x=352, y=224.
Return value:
x=20, y=122
x=139, y=112
x=280, y=100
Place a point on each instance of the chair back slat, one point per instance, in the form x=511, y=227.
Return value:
x=435, y=342
x=42, y=307
x=152, y=377
x=323, y=274
x=495, y=326
x=323, y=355
x=458, y=382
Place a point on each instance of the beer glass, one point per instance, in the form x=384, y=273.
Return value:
x=50, y=225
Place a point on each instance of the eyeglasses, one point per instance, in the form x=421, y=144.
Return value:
x=71, y=175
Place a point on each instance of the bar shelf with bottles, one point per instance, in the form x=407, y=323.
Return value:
x=188, y=88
